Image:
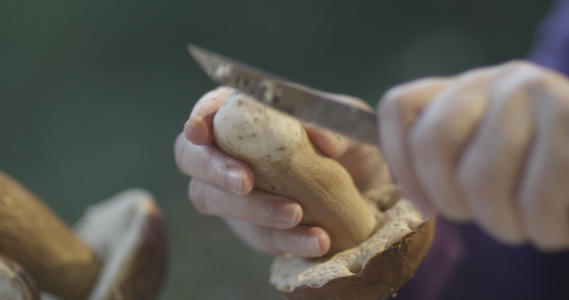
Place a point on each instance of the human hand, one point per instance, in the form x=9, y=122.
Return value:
x=224, y=186
x=489, y=145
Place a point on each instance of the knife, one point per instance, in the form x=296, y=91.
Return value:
x=297, y=100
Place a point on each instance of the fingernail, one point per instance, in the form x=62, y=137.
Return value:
x=234, y=179
x=286, y=213
x=196, y=131
x=312, y=245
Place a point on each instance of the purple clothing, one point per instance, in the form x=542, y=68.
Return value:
x=552, y=45
x=464, y=262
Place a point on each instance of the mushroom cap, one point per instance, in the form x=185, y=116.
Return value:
x=373, y=270
x=15, y=282
x=127, y=232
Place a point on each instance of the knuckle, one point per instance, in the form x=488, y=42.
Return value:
x=521, y=66
x=197, y=197
x=267, y=240
x=466, y=78
x=392, y=101
x=524, y=75
x=407, y=97
x=517, y=64
x=205, y=164
x=421, y=144
x=193, y=160
x=543, y=87
x=472, y=181
x=429, y=141
x=426, y=136
x=397, y=97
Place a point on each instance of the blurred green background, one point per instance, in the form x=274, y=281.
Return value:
x=93, y=93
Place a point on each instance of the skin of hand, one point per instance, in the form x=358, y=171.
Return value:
x=224, y=186
x=490, y=145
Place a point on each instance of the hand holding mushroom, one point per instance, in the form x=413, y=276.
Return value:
x=266, y=221
x=303, y=192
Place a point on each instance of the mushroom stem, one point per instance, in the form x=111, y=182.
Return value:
x=15, y=282
x=32, y=235
x=286, y=163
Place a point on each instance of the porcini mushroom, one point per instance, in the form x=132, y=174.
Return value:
x=34, y=237
x=376, y=244
x=286, y=163
x=15, y=282
x=120, y=252
x=128, y=234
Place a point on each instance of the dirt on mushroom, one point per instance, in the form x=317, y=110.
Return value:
x=378, y=239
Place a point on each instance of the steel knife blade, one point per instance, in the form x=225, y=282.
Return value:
x=297, y=100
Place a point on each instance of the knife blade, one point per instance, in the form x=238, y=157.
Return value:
x=294, y=99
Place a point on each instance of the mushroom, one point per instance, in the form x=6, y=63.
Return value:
x=377, y=239
x=286, y=163
x=15, y=282
x=127, y=232
x=119, y=253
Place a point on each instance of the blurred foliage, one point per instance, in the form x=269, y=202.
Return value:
x=93, y=93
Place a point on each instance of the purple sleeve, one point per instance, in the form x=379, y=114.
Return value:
x=551, y=48
x=439, y=266
x=464, y=263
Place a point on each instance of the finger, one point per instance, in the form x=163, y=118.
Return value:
x=256, y=207
x=333, y=144
x=397, y=111
x=489, y=170
x=303, y=241
x=440, y=134
x=351, y=153
x=212, y=166
x=366, y=166
x=199, y=127
x=544, y=192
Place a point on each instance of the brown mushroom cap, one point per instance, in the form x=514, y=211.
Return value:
x=15, y=282
x=127, y=232
x=375, y=269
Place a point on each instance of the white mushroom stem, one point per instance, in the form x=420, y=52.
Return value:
x=287, y=163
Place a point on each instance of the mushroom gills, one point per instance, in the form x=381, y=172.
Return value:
x=127, y=232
